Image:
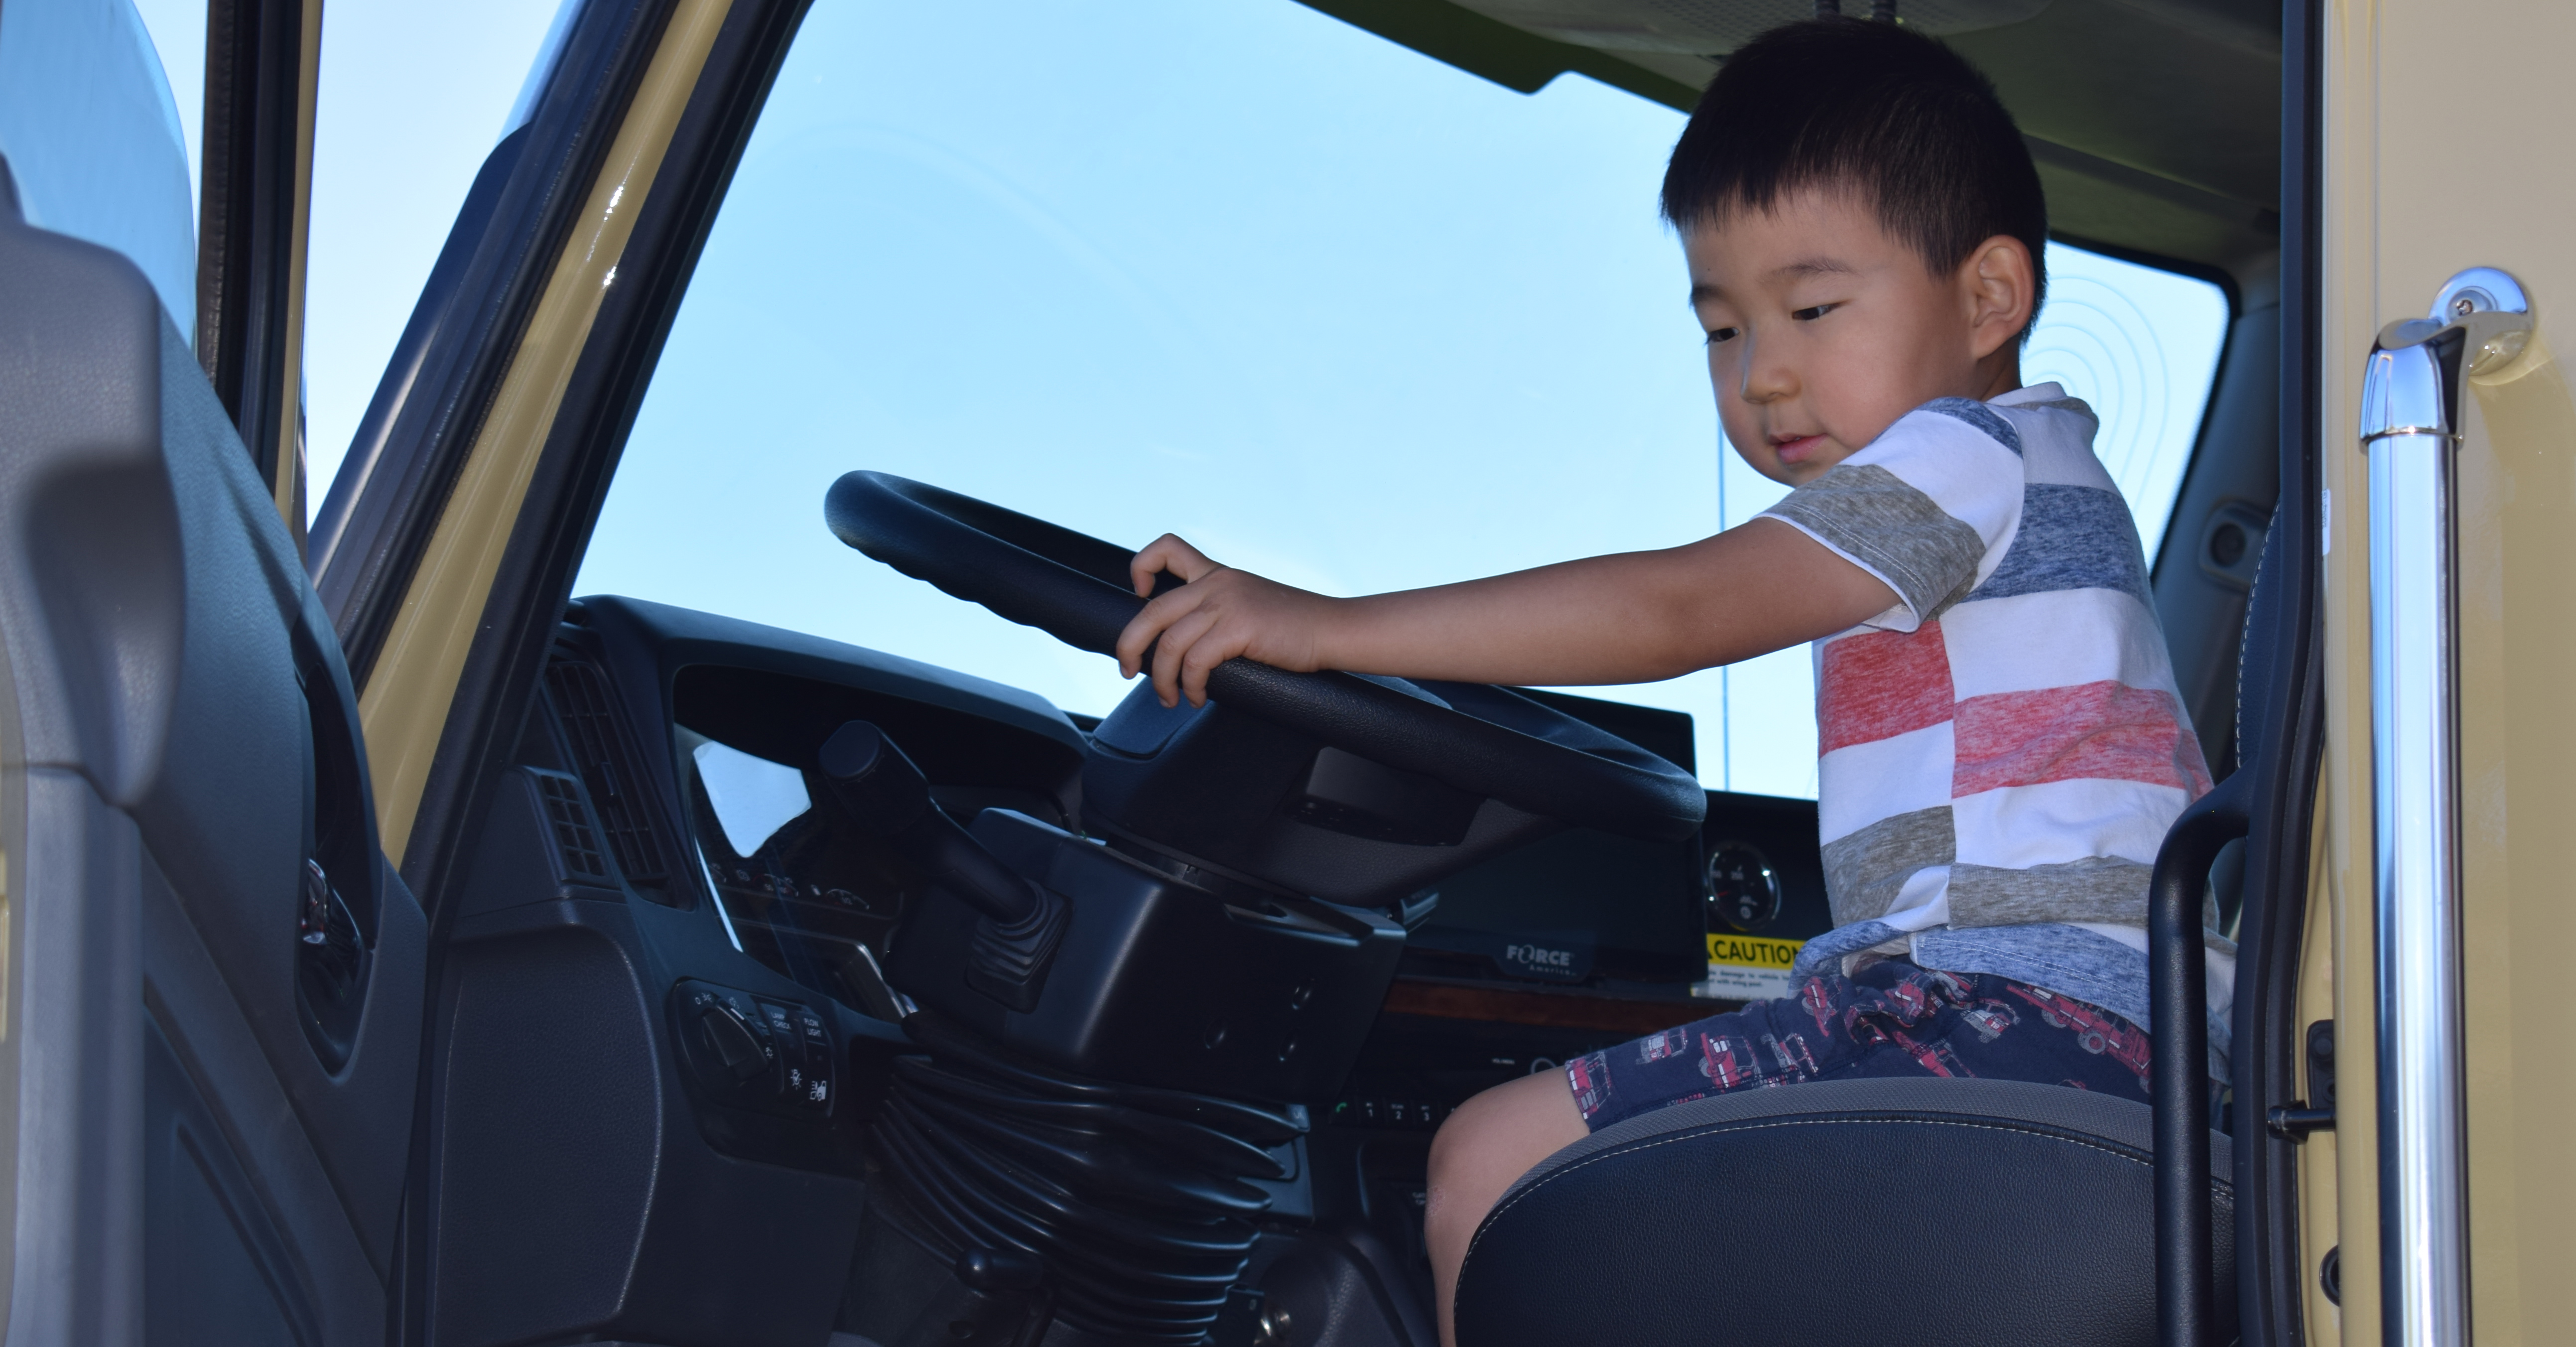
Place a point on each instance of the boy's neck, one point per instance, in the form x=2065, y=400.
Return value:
x=2002, y=372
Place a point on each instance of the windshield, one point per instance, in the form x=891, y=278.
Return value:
x=1333, y=311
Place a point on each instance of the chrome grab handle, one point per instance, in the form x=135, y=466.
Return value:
x=2409, y=418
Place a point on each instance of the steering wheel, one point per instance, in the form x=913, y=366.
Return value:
x=1486, y=741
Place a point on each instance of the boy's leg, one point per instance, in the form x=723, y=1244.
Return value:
x=1491, y=1140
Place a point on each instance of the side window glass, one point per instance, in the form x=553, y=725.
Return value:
x=99, y=118
x=1332, y=310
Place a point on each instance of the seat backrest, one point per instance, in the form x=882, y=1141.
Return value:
x=1970, y=1211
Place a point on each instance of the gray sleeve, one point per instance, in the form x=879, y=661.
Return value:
x=1876, y=521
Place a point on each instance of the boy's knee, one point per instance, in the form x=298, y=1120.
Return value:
x=1473, y=1127
x=1498, y=1135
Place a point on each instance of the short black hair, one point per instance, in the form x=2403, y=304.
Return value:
x=1872, y=107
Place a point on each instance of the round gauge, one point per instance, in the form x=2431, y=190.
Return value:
x=1743, y=893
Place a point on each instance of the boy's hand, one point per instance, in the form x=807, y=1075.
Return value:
x=1216, y=614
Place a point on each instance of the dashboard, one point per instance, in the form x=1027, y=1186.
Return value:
x=696, y=738
x=674, y=937
x=692, y=743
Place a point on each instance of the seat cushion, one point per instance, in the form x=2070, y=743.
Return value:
x=1972, y=1211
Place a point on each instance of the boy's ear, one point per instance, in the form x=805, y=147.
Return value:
x=1997, y=281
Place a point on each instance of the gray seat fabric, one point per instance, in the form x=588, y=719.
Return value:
x=1979, y=1211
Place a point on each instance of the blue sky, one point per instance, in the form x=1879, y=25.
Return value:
x=1334, y=311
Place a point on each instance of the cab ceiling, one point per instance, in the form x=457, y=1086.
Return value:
x=2155, y=123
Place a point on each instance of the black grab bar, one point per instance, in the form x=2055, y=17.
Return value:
x=2178, y=1075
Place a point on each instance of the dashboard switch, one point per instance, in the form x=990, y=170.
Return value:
x=752, y=1053
x=816, y=1093
x=734, y=1043
x=789, y=1047
x=776, y=1017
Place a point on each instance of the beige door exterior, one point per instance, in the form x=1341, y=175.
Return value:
x=2446, y=127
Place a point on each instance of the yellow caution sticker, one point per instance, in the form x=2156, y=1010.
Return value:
x=1748, y=967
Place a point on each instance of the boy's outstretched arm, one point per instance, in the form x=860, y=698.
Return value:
x=1634, y=617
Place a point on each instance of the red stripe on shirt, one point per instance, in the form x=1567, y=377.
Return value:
x=2091, y=731
x=1882, y=684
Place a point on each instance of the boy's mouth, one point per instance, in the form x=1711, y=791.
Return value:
x=1796, y=448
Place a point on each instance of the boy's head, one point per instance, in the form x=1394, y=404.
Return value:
x=1865, y=231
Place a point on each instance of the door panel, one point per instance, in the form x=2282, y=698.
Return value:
x=230, y=1185
x=230, y=816
x=2419, y=184
x=211, y=1113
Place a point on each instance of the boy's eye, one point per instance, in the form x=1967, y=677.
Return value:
x=1812, y=313
x=1720, y=335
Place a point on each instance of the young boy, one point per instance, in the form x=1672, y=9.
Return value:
x=2002, y=744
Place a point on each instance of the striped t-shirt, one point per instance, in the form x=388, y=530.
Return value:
x=2003, y=750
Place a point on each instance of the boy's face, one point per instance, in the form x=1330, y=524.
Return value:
x=1823, y=329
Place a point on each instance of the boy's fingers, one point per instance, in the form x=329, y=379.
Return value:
x=1148, y=623
x=1177, y=640
x=1185, y=561
x=1201, y=661
x=1167, y=553
x=1147, y=564
x=1133, y=641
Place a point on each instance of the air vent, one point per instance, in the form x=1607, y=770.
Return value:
x=606, y=759
x=568, y=817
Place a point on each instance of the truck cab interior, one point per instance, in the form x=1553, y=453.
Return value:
x=647, y=967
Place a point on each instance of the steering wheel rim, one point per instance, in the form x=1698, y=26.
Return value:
x=1075, y=588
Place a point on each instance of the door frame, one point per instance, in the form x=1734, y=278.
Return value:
x=263, y=62
x=2284, y=697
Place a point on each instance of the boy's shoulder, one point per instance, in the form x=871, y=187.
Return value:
x=2057, y=433
x=1980, y=416
x=1954, y=450
x=2049, y=434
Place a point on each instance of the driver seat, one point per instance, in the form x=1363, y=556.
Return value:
x=1971, y=1211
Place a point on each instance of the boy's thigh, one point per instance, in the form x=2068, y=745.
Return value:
x=1892, y=1019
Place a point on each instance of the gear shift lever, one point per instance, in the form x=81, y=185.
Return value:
x=1022, y=921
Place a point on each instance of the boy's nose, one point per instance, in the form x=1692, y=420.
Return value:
x=1763, y=380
